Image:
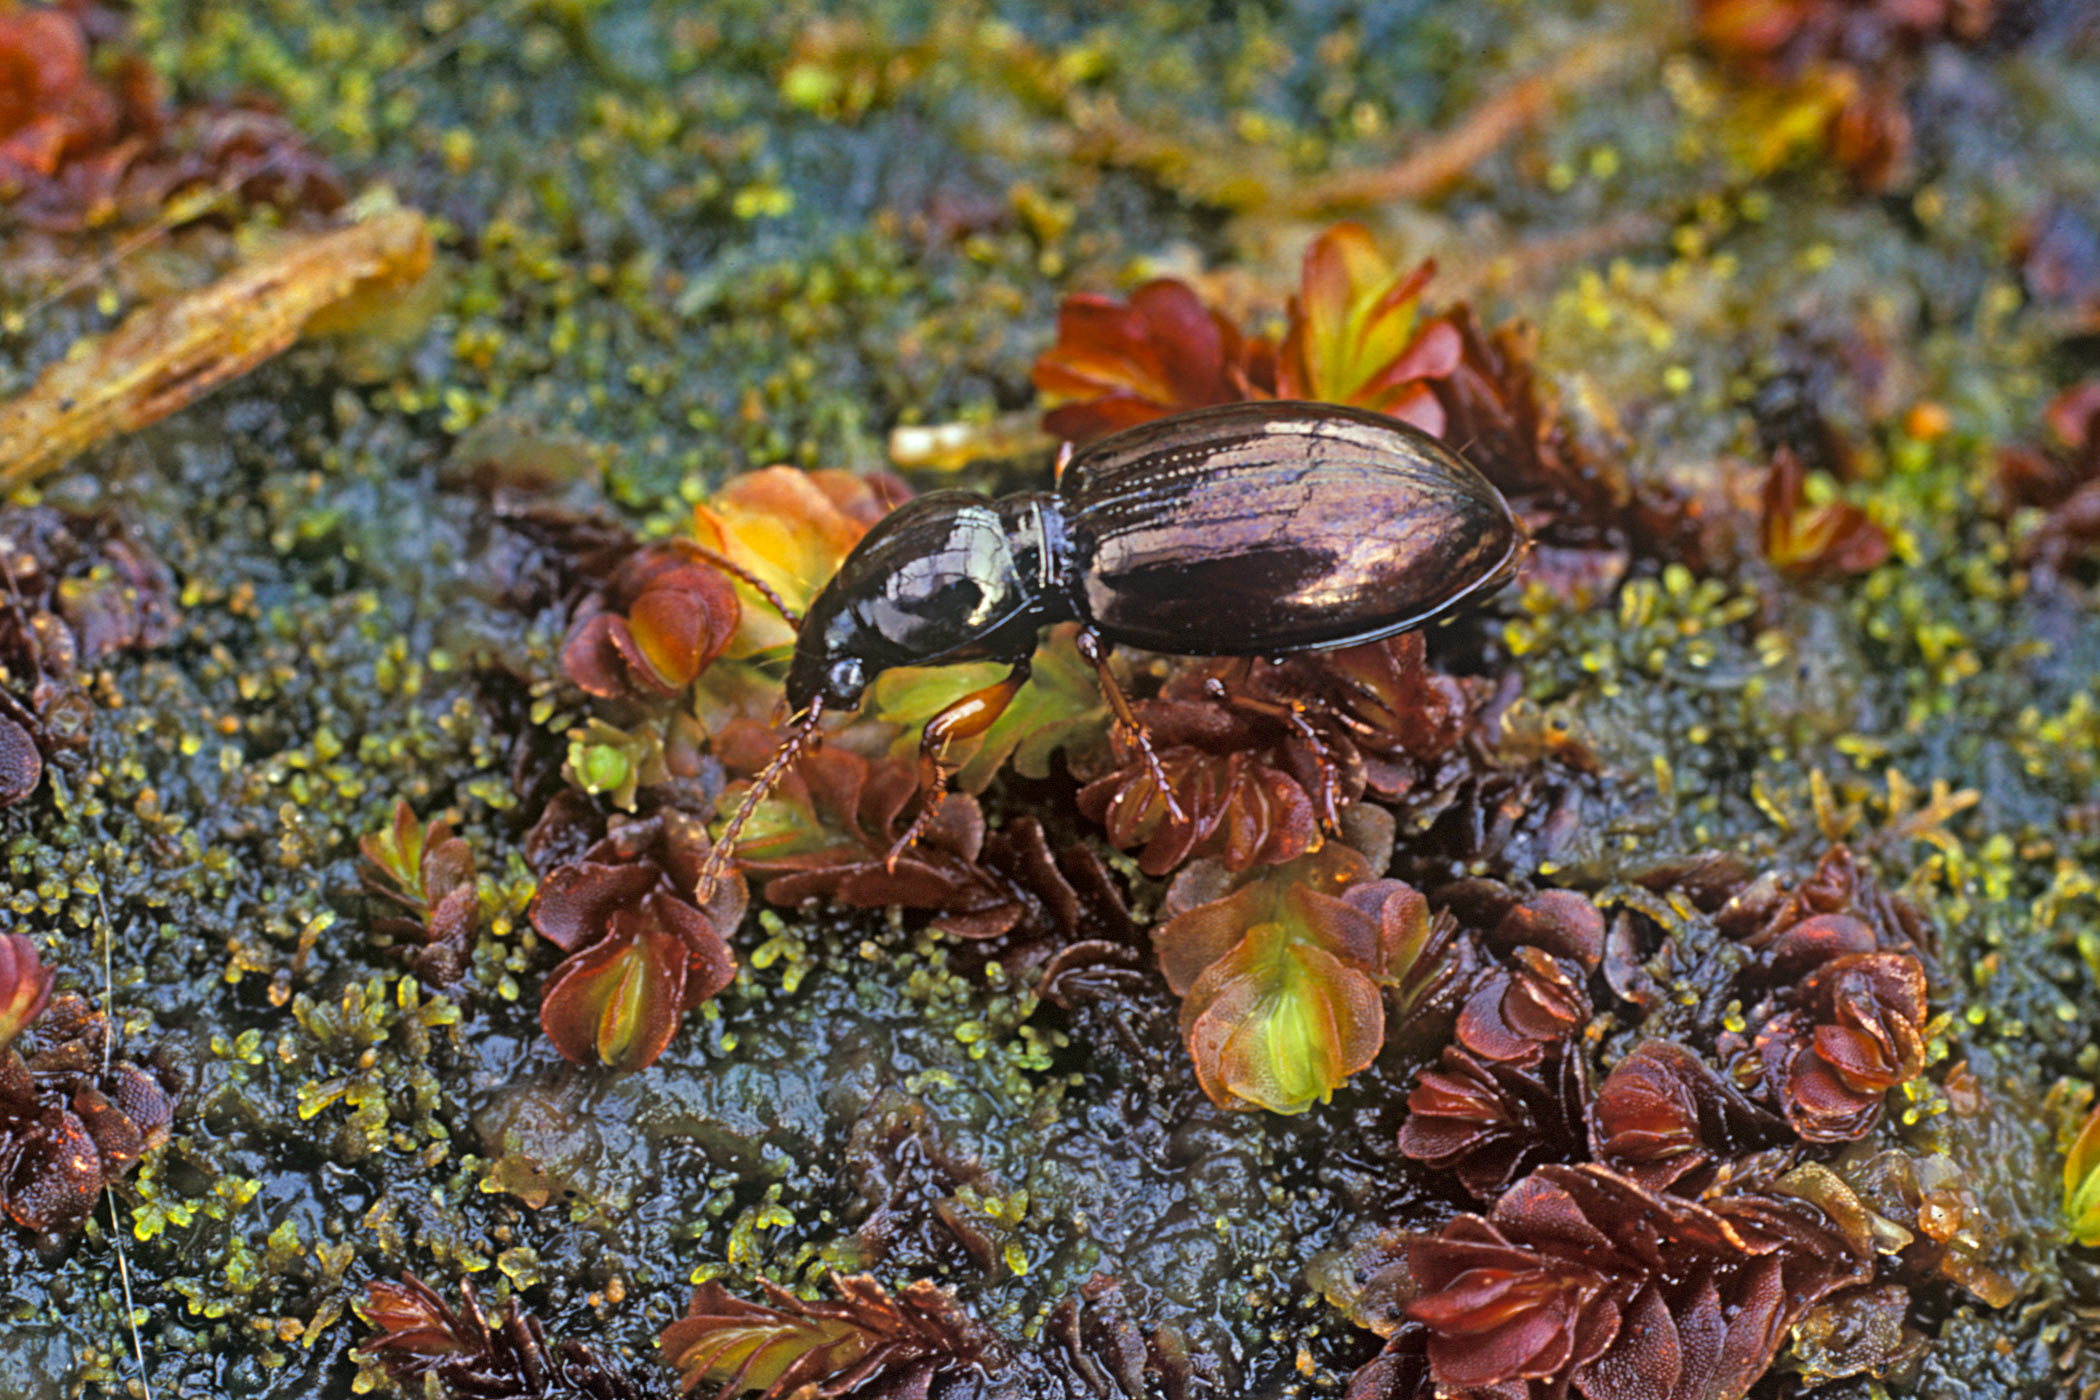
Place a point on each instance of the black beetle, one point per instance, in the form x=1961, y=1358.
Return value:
x=1251, y=529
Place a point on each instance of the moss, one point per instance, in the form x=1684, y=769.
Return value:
x=699, y=242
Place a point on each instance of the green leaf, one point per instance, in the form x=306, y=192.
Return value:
x=1060, y=708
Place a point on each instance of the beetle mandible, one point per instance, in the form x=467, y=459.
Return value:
x=1250, y=529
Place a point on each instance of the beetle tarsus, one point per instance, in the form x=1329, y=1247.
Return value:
x=1128, y=725
x=928, y=808
x=1291, y=714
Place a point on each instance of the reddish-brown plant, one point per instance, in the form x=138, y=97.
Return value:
x=641, y=951
x=1484, y=1121
x=654, y=626
x=1561, y=922
x=25, y=986
x=1794, y=925
x=1377, y=715
x=1521, y=1005
x=1778, y=38
x=1261, y=755
x=1427, y=959
x=788, y=529
x=1281, y=977
x=71, y=1120
x=2062, y=480
x=51, y=108
x=870, y=1343
x=1663, y=1116
x=1233, y=806
x=1068, y=896
x=1357, y=335
x=431, y=874
x=1822, y=540
x=827, y=830
x=78, y=589
x=1117, y=364
x=1857, y=1031
x=78, y=150
x=1848, y=60
x=419, y=1336
x=21, y=761
x=1580, y=1276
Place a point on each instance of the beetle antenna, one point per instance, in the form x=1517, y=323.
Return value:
x=768, y=778
x=757, y=585
x=1064, y=459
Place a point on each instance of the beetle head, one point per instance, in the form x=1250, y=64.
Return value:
x=838, y=677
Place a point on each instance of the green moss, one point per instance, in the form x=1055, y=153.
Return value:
x=700, y=240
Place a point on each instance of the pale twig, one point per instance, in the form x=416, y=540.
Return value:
x=1441, y=160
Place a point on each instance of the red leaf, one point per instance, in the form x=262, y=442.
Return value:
x=1116, y=365
x=25, y=986
x=617, y=1002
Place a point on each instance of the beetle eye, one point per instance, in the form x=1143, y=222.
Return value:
x=845, y=681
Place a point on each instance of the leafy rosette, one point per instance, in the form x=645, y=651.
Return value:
x=1667, y=1119
x=429, y=1347
x=1828, y=539
x=73, y=1120
x=1581, y=1276
x=1259, y=756
x=1524, y=1005
x=790, y=530
x=1282, y=978
x=868, y=1343
x=25, y=986
x=1236, y=806
x=1117, y=364
x=1357, y=335
x=652, y=629
x=1485, y=1120
x=641, y=951
x=827, y=830
x=1858, y=1032
x=429, y=872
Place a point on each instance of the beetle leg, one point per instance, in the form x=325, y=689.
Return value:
x=1064, y=459
x=1291, y=715
x=1127, y=722
x=965, y=719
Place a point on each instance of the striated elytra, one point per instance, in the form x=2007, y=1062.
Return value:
x=1251, y=529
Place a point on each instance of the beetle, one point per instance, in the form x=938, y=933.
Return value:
x=1248, y=529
